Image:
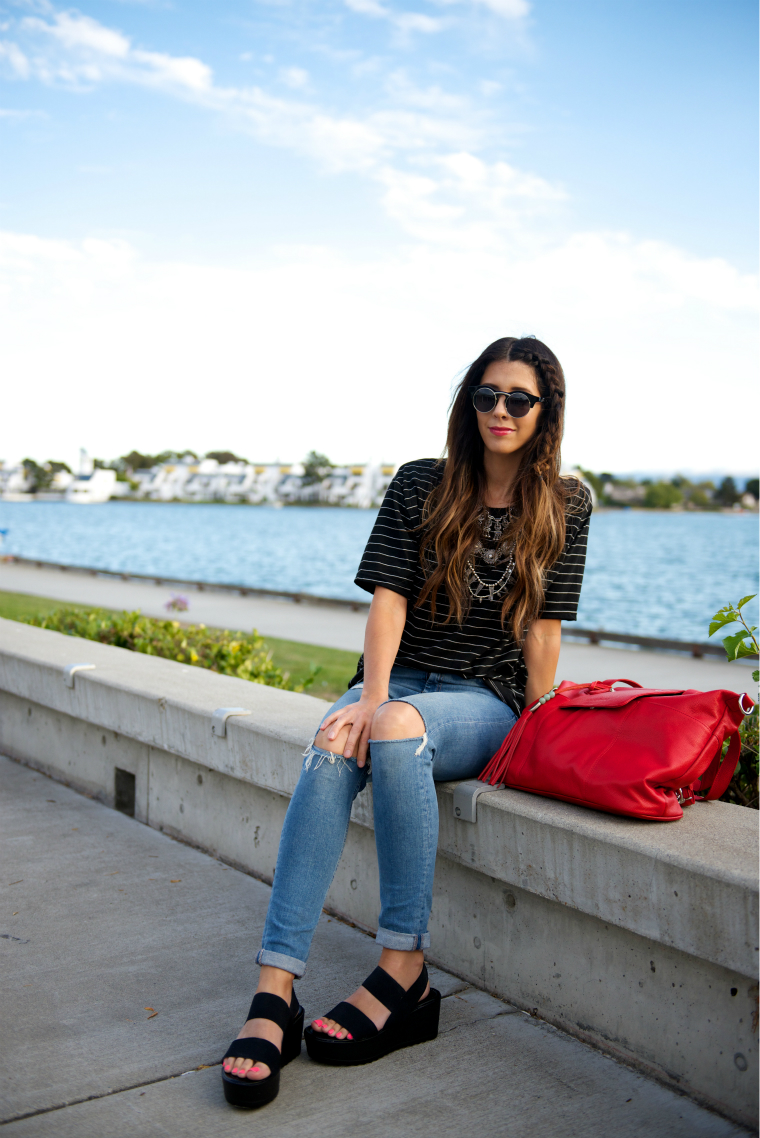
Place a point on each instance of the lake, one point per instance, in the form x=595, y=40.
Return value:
x=654, y=574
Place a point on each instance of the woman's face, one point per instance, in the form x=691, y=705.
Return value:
x=500, y=432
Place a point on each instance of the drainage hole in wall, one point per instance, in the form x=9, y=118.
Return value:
x=124, y=791
x=734, y=991
x=740, y=1061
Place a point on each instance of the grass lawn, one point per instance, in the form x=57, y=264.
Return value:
x=337, y=666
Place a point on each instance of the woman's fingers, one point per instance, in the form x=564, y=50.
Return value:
x=354, y=736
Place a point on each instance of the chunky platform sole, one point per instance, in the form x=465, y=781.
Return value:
x=251, y=1093
x=420, y=1026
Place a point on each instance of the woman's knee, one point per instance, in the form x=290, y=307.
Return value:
x=397, y=720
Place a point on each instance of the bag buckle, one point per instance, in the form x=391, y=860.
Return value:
x=685, y=795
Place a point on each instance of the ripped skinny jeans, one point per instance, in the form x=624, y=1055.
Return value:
x=465, y=724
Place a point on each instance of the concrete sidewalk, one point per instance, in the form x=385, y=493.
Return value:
x=341, y=628
x=106, y=922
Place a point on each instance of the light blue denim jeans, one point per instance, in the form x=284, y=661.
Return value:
x=465, y=724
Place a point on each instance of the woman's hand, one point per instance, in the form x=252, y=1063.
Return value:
x=348, y=731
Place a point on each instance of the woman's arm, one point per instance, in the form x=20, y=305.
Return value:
x=387, y=616
x=541, y=654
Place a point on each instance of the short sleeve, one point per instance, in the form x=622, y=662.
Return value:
x=391, y=557
x=563, y=588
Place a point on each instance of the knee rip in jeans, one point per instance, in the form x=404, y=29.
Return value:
x=313, y=752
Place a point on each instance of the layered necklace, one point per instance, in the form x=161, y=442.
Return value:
x=497, y=550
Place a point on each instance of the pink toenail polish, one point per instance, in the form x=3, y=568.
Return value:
x=331, y=1031
x=349, y=1036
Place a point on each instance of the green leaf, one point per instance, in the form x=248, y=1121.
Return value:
x=735, y=646
x=756, y=676
x=720, y=621
x=744, y=600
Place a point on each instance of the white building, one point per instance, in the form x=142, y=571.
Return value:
x=90, y=487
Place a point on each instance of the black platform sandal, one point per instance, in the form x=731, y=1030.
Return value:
x=258, y=1092
x=411, y=1021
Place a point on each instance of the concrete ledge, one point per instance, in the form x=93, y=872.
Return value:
x=640, y=937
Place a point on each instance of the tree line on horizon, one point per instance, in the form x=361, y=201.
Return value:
x=610, y=489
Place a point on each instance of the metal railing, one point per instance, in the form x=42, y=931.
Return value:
x=593, y=635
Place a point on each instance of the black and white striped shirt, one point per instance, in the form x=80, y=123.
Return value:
x=479, y=646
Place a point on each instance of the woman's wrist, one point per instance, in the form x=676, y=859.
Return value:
x=373, y=695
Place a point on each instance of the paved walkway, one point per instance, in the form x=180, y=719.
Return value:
x=127, y=960
x=340, y=628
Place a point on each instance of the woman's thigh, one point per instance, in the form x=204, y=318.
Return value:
x=464, y=729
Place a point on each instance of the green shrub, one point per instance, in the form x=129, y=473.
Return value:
x=662, y=495
x=743, y=788
x=240, y=654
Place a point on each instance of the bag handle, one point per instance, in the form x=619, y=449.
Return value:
x=597, y=685
x=717, y=777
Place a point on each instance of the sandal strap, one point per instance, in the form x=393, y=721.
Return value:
x=385, y=989
x=359, y=1025
x=396, y=999
x=260, y=1050
x=267, y=1006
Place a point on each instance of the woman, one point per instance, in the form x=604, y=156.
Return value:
x=472, y=563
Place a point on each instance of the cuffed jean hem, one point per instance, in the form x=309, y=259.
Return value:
x=402, y=942
x=279, y=960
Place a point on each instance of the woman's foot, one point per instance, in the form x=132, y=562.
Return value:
x=404, y=967
x=278, y=983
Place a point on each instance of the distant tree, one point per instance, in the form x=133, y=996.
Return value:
x=662, y=495
x=39, y=477
x=596, y=480
x=316, y=466
x=42, y=477
x=224, y=456
x=753, y=488
x=727, y=493
x=136, y=461
x=699, y=499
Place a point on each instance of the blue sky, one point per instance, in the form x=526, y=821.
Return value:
x=279, y=225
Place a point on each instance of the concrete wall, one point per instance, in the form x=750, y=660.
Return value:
x=639, y=937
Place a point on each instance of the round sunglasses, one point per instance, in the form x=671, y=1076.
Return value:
x=516, y=403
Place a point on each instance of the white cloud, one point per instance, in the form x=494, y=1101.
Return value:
x=294, y=77
x=404, y=21
x=509, y=9
x=76, y=31
x=12, y=54
x=147, y=347
x=515, y=10
x=486, y=256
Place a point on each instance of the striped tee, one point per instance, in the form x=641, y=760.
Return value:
x=479, y=647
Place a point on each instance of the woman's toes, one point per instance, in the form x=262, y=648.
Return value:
x=258, y=1071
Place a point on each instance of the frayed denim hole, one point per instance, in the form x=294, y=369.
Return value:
x=422, y=745
x=312, y=750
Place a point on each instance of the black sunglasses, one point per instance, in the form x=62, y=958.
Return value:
x=516, y=403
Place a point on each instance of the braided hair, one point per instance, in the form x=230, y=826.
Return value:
x=537, y=526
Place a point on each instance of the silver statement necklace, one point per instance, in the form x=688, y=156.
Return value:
x=497, y=551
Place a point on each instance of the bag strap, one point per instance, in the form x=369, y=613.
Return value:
x=718, y=775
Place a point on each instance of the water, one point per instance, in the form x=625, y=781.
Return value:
x=654, y=574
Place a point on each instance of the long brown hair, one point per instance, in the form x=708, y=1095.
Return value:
x=450, y=518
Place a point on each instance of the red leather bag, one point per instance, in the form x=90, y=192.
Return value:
x=636, y=751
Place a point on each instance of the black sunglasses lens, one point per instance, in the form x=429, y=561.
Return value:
x=518, y=405
x=484, y=400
